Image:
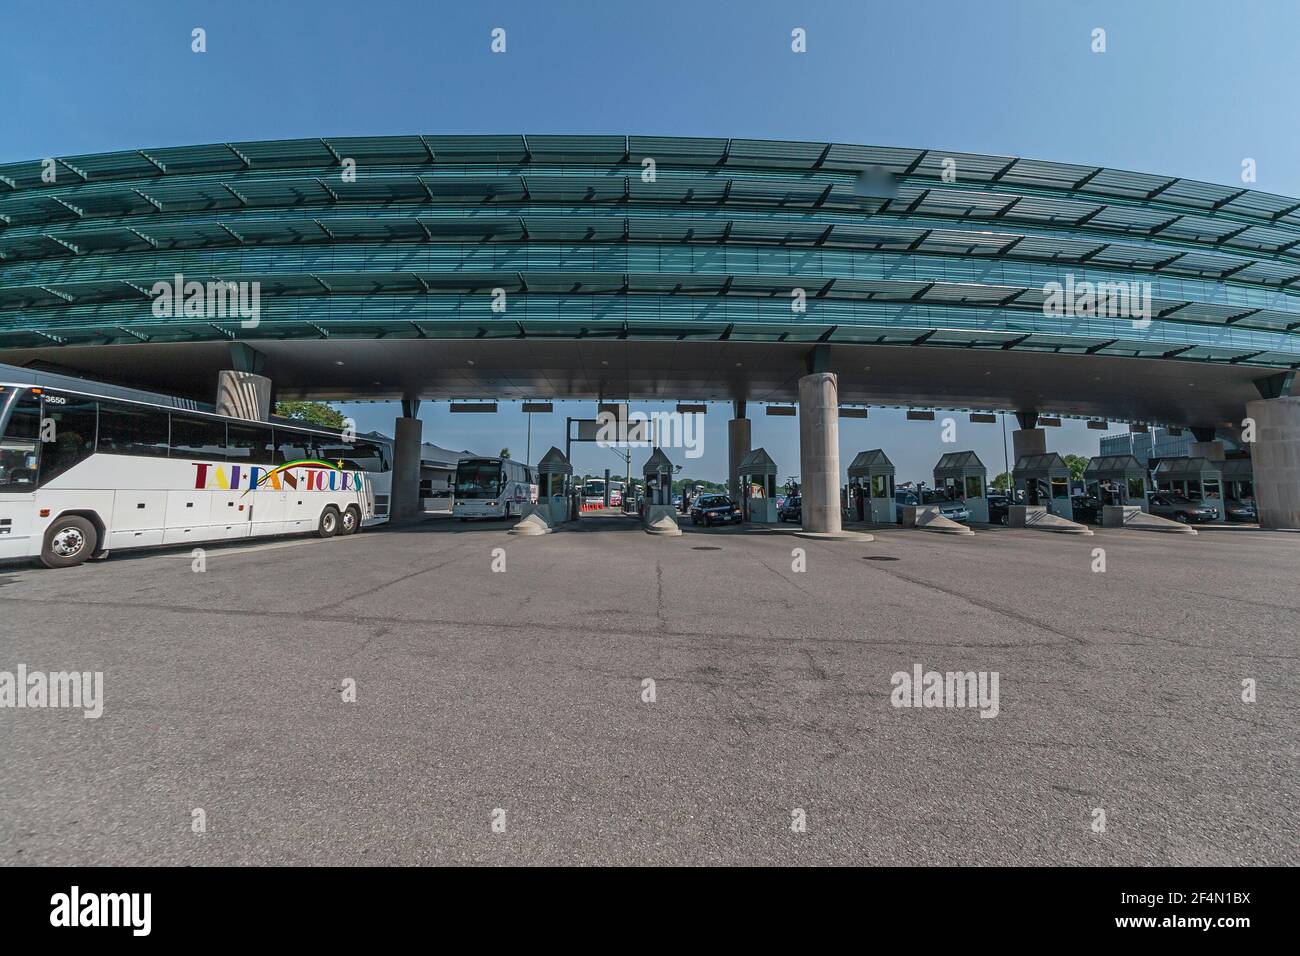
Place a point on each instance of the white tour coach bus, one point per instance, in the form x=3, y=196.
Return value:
x=492, y=488
x=82, y=474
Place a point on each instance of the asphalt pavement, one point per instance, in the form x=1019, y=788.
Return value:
x=504, y=716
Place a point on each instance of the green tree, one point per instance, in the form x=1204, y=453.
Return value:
x=1076, y=465
x=505, y=453
x=317, y=413
x=1003, y=481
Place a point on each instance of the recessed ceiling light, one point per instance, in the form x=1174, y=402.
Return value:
x=738, y=364
x=338, y=363
x=469, y=361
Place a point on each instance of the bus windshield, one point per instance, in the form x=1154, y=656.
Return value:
x=478, y=478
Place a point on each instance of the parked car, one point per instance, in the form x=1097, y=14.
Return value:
x=715, y=509
x=1166, y=504
x=1086, y=508
x=952, y=510
x=791, y=509
x=999, y=508
x=1241, y=511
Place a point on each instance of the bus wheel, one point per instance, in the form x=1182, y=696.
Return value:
x=351, y=520
x=329, y=523
x=69, y=541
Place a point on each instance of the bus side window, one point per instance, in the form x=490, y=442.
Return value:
x=74, y=426
x=198, y=438
x=249, y=444
x=131, y=430
x=294, y=446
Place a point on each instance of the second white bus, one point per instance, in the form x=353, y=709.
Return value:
x=492, y=488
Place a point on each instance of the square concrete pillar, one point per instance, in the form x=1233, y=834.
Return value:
x=819, y=452
x=1275, y=455
x=1209, y=450
x=738, y=438
x=405, y=502
x=1027, y=441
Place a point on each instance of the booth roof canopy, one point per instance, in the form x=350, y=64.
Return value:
x=1237, y=468
x=1187, y=468
x=757, y=463
x=554, y=463
x=1114, y=466
x=657, y=464
x=959, y=464
x=1041, y=465
x=868, y=463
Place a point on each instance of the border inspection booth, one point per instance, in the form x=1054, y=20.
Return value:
x=873, y=473
x=1117, y=480
x=1044, y=481
x=1200, y=479
x=757, y=477
x=555, y=486
x=961, y=476
x=658, y=510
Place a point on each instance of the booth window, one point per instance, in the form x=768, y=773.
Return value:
x=974, y=487
x=878, y=487
x=1193, y=489
x=1211, y=488
x=1136, y=488
x=1060, y=488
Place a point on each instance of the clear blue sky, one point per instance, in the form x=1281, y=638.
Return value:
x=1186, y=87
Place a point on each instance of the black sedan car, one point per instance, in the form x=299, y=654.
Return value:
x=791, y=509
x=999, y=507
x=1166, y=504
x=1086, y=508
x=715, y=509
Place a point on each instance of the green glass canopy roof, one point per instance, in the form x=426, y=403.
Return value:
x=643, y=237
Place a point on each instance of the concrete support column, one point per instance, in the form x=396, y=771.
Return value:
x=819, y=451
x=738, y=439
x=407, y=438
x=243, y=395
x=1027, y=441
x=1275, y=455
x=1206, y=445
x=1212, y=450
